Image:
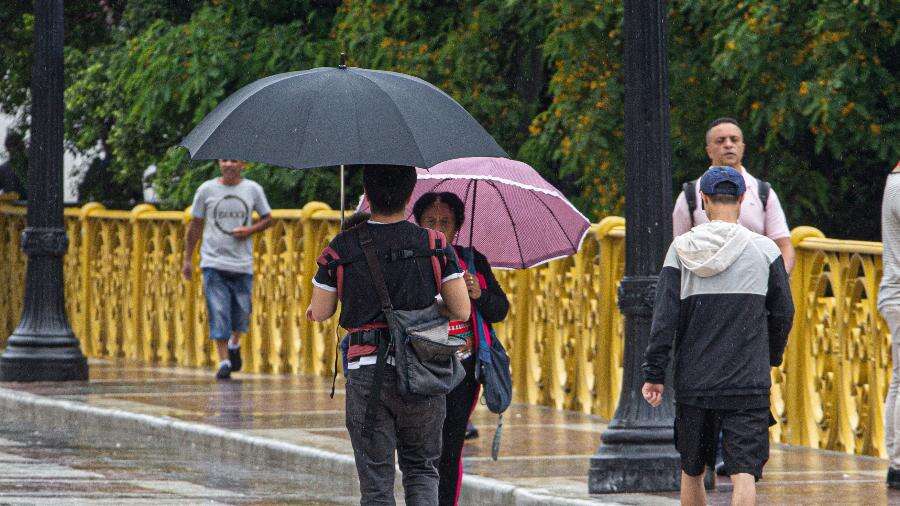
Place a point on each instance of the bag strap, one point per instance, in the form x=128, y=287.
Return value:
x=763, y=189
x=368, y=247
x=337, y=351
x=690, y=195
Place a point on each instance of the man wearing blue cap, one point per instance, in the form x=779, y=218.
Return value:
x=724, y=302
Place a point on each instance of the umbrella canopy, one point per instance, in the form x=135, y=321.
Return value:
x=340, y=116
x=520, y=220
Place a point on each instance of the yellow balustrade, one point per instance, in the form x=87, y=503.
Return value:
x=831, y=389
x=126, y=297
x=12, y=271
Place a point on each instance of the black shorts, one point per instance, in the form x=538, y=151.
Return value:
x=745, y=438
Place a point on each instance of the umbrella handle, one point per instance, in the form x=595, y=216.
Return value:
x=342, y=194
x=472, y=215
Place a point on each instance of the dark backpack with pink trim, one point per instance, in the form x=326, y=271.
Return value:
x=331, y=260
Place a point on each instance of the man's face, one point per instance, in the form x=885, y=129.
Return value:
x=231, y=168
x=725, y=145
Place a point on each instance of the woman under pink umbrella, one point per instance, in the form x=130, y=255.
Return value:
x=445, y=212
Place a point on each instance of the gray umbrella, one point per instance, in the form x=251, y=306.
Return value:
x=331, y=116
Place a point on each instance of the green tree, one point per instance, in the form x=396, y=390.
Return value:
x=813, y=83
x=152, y=87
x=485, y=54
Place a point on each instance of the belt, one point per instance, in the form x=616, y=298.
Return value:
x=372, y=336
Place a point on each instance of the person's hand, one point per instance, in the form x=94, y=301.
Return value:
x=187, y=270
x=653, y=393
x=241, y=232
x=472, y=286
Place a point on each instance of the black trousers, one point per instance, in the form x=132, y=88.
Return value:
x=406, y=425
x=460, y=403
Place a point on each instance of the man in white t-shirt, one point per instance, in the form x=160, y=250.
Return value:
x=725, y=147
x=222, y=214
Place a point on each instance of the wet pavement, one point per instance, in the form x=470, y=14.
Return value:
x=544, y=450
x=40, y=467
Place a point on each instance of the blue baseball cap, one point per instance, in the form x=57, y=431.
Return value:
x=711, y=182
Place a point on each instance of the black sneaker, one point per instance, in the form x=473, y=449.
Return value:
x=224, y=372
x=471, y=433
x=893, y=477
x=234, y=355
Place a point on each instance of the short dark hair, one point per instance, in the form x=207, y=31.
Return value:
x=388, y=187
x=451, y=199
x=722, y=198
x=721, y=121
x=354, y=220
x=718, y=121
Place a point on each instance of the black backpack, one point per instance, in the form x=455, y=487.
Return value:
x=690, y=195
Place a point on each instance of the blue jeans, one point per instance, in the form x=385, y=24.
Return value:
x=228, y=305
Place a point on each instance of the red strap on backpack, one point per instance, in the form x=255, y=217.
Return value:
x=330, y=255
x=436, y=240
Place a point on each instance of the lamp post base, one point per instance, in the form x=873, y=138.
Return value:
x=43, y=363
x=632, y=460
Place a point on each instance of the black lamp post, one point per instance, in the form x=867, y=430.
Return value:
x=43, y=346
x=637, y=453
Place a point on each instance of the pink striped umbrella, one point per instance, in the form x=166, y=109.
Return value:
x=520, y=220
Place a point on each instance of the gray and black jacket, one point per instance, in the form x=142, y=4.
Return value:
x=724, y=301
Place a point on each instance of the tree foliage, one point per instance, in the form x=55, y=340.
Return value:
x=813, y=82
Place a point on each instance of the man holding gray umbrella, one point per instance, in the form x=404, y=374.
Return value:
x=409, y=425
x=389, y=122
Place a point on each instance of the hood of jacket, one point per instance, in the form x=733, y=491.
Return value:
x=710, y=248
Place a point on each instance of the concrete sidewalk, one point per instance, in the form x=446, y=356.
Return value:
x=290, y=422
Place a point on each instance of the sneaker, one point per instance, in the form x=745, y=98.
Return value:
x=471, y=433
x=224, y=372
x=893, y=477
x=234, y=355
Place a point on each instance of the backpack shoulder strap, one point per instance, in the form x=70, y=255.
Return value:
x=690, y=196
x=367, y=244
x=764, y=188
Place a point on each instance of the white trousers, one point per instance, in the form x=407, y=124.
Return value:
x=892, y=404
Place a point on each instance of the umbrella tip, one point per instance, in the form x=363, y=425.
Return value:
x=343, y=63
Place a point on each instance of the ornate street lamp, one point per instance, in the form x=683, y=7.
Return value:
x=637, y=453
x=43, y=346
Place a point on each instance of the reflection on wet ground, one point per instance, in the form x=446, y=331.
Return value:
x=542, y=448
x=37, y=467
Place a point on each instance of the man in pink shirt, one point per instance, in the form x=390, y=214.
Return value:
x=725, y=147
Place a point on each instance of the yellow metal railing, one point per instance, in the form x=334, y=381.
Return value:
x=830, y=391
x=126, y=298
